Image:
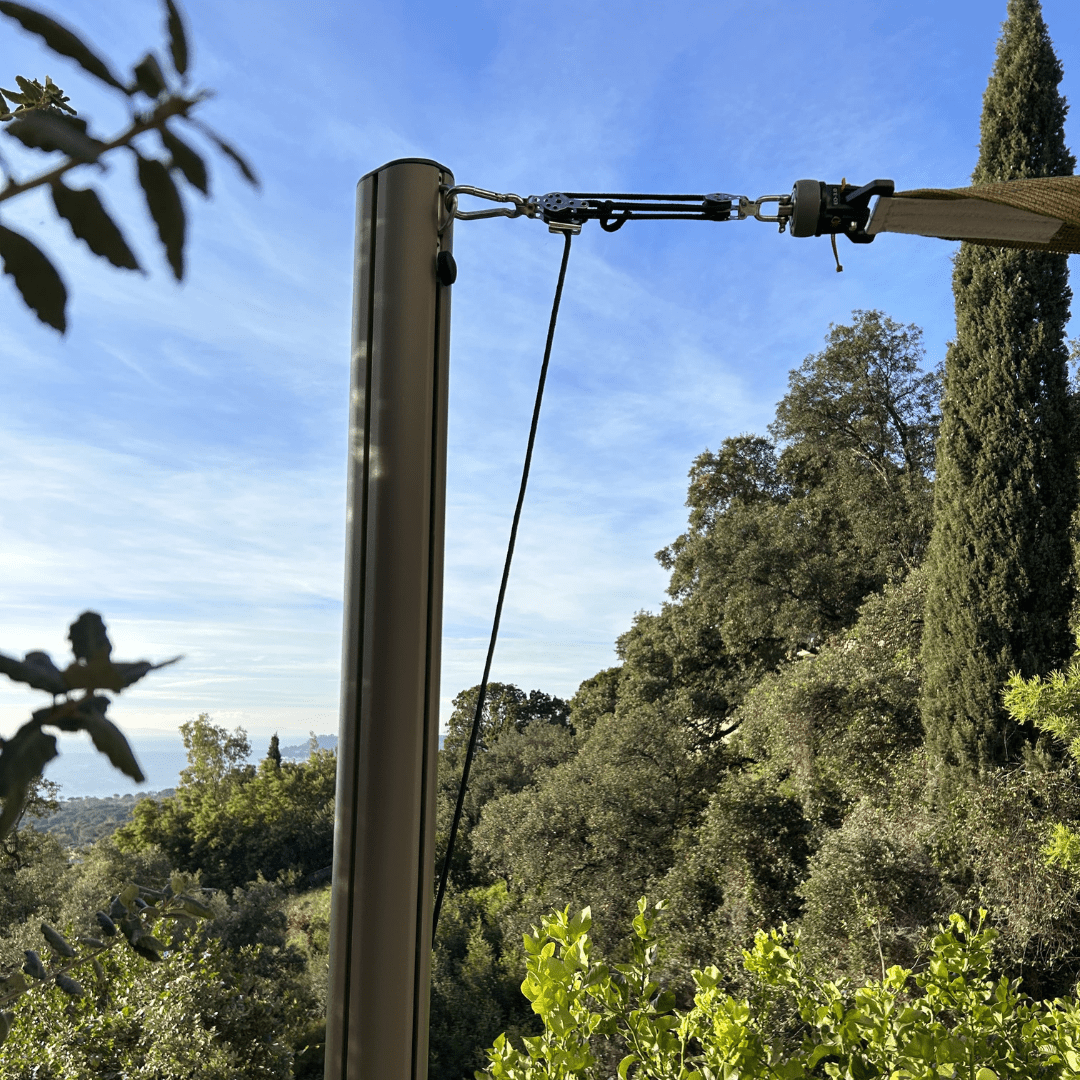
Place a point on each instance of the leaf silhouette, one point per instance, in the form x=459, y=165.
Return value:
x=228, y=151
x=13, y=983
x=69, y=714
x=69, y=985
x=109, y=739
x=33, y=966
x=57, y=942
x=105, y=674
x=37, y=670
x=148, y=76
x=163, y=202
x=90, y=222
x=177, y=38
x=186, y=160
x=22, y=757
x=51, y=131
x=36, y=278
x=61, y=40
x=191, y=906
x=89, y=638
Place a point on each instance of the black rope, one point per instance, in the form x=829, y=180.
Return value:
x=481, y=697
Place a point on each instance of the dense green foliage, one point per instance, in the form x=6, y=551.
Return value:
x=229, y=999
x=786, y=538
x=1000, y=562
x=242, y=995
x=232, y=821
x=954, y=1018
x=80, y=821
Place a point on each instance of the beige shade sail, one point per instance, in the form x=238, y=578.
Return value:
x=1041, y=213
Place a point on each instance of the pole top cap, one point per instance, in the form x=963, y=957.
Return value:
x=407, y=161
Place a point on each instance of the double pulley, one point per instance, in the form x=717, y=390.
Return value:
x=1037, y=213
x=813, y=208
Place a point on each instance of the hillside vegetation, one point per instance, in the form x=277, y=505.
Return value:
x=757, y=760
x=83, y=820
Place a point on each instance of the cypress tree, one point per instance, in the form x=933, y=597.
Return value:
x=999, y=561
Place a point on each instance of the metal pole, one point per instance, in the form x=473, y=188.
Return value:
x=384, y=834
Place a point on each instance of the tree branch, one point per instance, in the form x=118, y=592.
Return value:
x=173, y=105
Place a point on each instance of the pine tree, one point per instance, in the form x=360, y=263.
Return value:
x=1000, y=580
x=273, y=754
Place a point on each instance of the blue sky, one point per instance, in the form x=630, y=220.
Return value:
x=177, y=462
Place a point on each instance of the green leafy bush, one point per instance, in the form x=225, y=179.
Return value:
x=205, y=1012
x=951, y=1019
x=232, y=821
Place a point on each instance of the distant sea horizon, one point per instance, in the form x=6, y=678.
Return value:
x=82, y=772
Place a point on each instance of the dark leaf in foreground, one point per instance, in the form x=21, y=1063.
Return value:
x=35, y=278
x=186, y=160
x=50, y=131
x=37, y=670
x=14, y=804
x=6, y=1019
x=69, y=985
x=57, y=942
x=22, y=757
x=104, y=674
x=108, y=927
x=228, y=151
x=61, y=40
x=71, y=713
x=33, y=966
x=88, y=637
x=109, y=739
x=148, y=76
x=89, y=222
x=88, y=714
x=194, y=907
x=163, y=202
x=177, y=38
x=131, y=928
